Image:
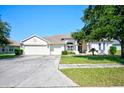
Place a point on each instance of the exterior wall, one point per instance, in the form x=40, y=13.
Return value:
x=8, y=49
x=101, y=50
x=76, y=51
x=56, y=49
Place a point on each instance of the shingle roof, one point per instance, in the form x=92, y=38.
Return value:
x=58, y=39
x=13, y=43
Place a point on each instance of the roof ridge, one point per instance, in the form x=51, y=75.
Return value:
x=57, y=35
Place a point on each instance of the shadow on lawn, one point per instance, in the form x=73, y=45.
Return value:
x=115, y=58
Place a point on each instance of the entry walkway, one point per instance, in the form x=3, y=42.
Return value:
x=62, y=66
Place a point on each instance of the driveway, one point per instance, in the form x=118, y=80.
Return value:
x=33, y=71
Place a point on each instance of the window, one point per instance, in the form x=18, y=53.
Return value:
x=99, y=46
x=69, y=43
x=62, y=39
x=10, y=49
x=70, y=48
x=104, y=46
x=3, y=49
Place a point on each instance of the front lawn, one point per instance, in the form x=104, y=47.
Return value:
x=89, y=59
x=2, y=56
x=96, y=77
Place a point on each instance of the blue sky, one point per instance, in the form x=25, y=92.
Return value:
x=42, y=20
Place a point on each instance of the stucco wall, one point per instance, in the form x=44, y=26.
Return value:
x=56, y=49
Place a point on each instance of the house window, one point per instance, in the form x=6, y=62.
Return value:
x=10, y=49
x=62, y=39
x=69, y=43
x=70, y=48
x=104, y=46
x=99, y=46
x=3, y=49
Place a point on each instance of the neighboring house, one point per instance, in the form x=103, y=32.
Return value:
x=102, y=47
x=117, y=44
x=54, y=45
x=9, y=48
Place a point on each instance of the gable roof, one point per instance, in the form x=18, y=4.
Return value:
x=57, y=39
x=35, y=36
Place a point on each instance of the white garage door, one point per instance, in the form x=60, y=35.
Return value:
x=36, y=50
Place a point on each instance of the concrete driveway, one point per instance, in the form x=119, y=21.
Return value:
x=33, y=71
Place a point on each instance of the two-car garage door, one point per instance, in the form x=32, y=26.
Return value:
x=36, y=50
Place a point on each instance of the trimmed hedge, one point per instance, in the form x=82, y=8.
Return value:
x=67, y=52
x=18, y=51
x=64, y=52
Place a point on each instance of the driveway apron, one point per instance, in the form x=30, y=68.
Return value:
x=33, y=71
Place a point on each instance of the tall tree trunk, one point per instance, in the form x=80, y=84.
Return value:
x=93, y=53
x=122, y=49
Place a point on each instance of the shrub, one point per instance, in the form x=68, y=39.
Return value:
x=112, y=50
x=93, y=50
x=70, y=52
x=64, y=52
x=18, y=51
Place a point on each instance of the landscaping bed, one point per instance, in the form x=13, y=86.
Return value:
x=96, y=77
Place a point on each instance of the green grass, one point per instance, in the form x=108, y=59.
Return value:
x=97, y=59
x=96, y=77
x=3, y=56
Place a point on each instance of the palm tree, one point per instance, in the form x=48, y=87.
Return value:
x=93, y=50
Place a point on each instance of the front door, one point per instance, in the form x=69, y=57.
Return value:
x=80, y=48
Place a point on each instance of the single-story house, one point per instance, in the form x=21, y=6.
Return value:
x=117, y=44
x=102, y=47
x=9, y=48
x=54, y=45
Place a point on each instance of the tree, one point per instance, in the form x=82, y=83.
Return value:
x=93, y=50
x=104, y=22
x=79, y=35
x=4, y=33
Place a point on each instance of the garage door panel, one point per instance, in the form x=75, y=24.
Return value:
x=36, y=50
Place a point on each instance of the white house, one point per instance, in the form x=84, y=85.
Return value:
x=102, y=47
x=54, y=45
x=9, y=48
